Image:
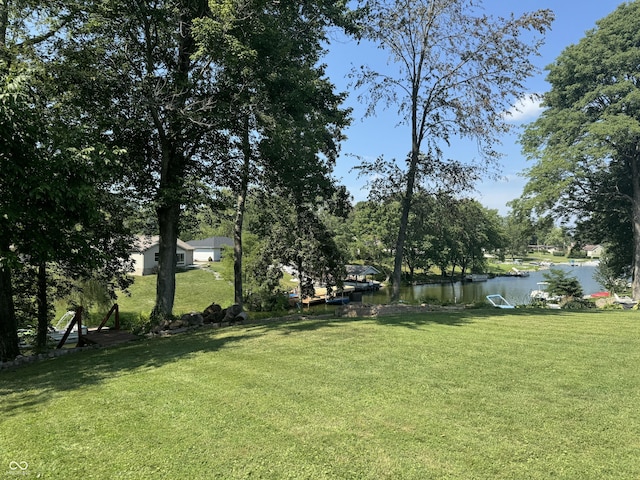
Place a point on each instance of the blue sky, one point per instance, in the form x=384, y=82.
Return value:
x=374, y=136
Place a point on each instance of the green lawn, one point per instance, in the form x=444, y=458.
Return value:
x=195, y=291
x=478, y=394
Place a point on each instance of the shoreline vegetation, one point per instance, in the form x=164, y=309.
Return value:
x=198, y=288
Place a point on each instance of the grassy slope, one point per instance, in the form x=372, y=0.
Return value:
x=475, y=394
x=195, y=290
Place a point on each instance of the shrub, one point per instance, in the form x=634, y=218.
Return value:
x=577, y=304
x=137, y=324
x=561, y=284
x=266, y=302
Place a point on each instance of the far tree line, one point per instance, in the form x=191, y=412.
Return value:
x=449, y=235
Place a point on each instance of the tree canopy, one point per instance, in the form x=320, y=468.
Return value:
x=455, y=72
x=585, y=143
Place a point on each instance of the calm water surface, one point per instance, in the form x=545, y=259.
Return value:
x=515, y=289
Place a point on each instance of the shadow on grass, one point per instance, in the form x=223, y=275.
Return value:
x=34, y=384
x=412, y=320
x=31, y=386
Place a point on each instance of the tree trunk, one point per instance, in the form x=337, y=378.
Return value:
x=635, y=220
x=43, y=308
x=9, y=348
x=240, y=209
x=168, y=217
x=404, y=222
x=416, y=140
x=237, y=249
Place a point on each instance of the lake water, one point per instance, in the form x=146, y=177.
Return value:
x=516, y=290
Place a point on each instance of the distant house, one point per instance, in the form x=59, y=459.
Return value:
x=209, y=249
x=593, y=251
x=146, y=250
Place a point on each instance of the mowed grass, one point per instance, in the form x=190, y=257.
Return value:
x=195, y=291
x=478, y=394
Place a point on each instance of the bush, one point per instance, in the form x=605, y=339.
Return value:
x=266, y=302
x=137, y=324
x=562, y=285
x=577, y=304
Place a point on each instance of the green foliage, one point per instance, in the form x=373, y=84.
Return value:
x=94, y=296
x=608, y=273
x=138, y=324
x=267, y=302
x=585, y=141
x=576, y=303
x=577, y=253
x=562, y=285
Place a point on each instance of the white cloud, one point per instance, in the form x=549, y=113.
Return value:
x=526, y=109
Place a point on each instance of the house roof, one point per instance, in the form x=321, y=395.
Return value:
x=361, y=270
x=591, y=248
x=211, y=242
x=145, y=242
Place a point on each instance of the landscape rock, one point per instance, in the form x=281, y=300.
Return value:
x=175, y=325
x=213, y=313
x=242, y=317
x=232, y=313
x=192, y=319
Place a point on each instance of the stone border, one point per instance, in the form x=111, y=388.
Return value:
x=346, y=311
x=55, y=353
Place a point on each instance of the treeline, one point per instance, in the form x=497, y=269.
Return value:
x=446, y=234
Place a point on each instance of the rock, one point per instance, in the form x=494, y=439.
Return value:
x=175, y=325
x=192, y=319
x=213, y=308
x=232, y=312
x=212, y=313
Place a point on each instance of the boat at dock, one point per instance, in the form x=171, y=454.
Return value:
x=337, y=300
x=476, y=277
x=357, y=278
x=363, y=286
x=321, y=295
x=518, y=273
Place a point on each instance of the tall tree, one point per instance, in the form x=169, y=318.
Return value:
x=155, y=97
x=18, y=133
x=518, y=230
x=32, y=185
x=586, y=142
x=458, y=71
x=283, y=113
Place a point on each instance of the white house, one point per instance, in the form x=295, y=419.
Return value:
x=209, y=249
x=146, y=250
x=593, y=251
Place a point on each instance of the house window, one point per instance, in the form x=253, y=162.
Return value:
x=179, y=258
